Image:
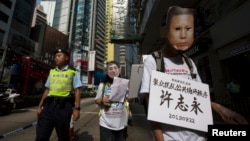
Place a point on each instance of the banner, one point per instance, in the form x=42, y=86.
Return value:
x=91, y=64
x=135, y=80
x=178, y=101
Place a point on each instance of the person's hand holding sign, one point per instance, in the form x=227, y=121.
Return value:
x=106, y=100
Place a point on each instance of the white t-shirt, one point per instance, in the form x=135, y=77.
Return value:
x=174, y=66
x=115, y=117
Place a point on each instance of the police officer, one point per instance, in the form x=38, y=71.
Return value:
x=57, y=105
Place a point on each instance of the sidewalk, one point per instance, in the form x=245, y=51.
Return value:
x=87, y=129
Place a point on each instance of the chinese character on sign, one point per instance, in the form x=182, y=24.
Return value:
x=195, y=106
x=181, y=105
x=165, y=97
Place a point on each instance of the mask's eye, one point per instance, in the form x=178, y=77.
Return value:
x=188, y=28
x=177, y=29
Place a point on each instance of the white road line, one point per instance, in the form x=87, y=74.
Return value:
x=17, y=130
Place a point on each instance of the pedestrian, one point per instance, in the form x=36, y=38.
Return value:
x=58, y=104
x=113, y=115
x=179, y=38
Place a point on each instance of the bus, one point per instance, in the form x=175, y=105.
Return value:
x=29, y=75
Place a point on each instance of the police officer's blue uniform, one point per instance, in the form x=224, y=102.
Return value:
x=57, y=112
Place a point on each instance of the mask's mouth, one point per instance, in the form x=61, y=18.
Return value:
x=178, y=50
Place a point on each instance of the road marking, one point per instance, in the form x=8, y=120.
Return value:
x=33, y=110
x=17, y=130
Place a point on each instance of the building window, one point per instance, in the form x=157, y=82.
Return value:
x=3, y=17
x=7, y=3
x=123, y=71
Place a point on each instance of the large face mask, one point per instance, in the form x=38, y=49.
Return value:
x=180, y=33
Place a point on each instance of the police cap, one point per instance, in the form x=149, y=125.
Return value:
x=66, y=52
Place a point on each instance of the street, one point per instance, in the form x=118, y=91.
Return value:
x=21, y=124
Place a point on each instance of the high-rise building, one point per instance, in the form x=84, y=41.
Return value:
x=98, y=42
x=121, y=31
x=39, y=17
x=18, y=39
x=81, y=36
x=49, y=9
x=16, y=18
x=109, y=45
x=6, y=12
x=126, y=55
x=63, y=15
x=84, y=22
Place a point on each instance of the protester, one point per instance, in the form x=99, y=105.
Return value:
x=113, y=115
x=179, y=38
x=57, y=105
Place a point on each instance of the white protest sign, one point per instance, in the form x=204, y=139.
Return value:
x=119, y=89
x=179, y=101
x=135, y=80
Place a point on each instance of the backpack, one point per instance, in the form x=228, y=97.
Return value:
x=160, y=63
